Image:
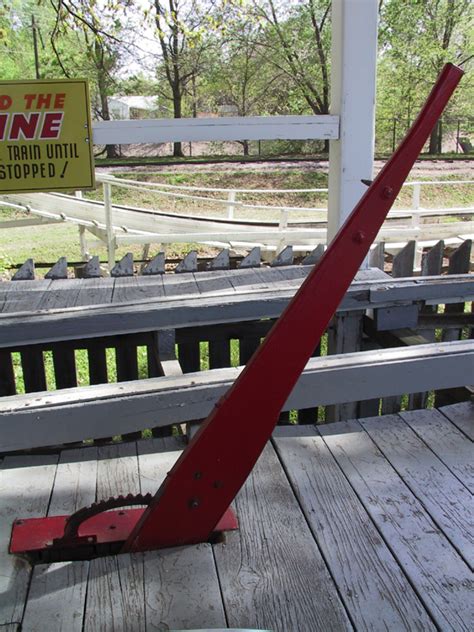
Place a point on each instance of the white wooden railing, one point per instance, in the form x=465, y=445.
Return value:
x=280, y=225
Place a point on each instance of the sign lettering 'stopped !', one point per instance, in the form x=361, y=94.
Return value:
x=45, y=136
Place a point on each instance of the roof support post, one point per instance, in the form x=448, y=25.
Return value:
x=353, y=78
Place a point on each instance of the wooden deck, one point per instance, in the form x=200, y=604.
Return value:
x=351, y=526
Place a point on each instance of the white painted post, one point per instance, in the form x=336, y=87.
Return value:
x=415, y=198
x=231, y=206
x=282, y=225
x=353, y=68
x=109, y=224
x=82, y=235
x=415, y=222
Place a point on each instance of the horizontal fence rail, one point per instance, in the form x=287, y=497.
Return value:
x=216, y=129
x=94, y=412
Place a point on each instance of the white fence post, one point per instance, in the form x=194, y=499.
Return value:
x=353, y=68
x=415, y=222
x=231, y=206
x=82, y=234
x=416, y=195
x=282, y=225
x=109, y=224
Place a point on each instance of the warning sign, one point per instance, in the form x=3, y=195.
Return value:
x=45, y=136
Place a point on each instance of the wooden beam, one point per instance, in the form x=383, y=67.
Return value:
x=216, y=129
x=20, y=329
x=29, y=421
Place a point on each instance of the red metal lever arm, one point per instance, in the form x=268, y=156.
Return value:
x=212, y=469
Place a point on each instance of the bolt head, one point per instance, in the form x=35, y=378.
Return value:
x=387, y=193
x=359, y=237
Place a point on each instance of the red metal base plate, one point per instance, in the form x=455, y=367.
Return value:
x=100, y=535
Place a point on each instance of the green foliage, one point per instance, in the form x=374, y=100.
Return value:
x=246, y=57
x=416, y=39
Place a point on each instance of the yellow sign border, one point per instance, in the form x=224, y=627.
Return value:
x=90, y=179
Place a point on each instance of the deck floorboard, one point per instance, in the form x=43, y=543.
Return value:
x=346, y=526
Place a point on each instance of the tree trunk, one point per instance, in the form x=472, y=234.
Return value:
x=245, y=144
x=177, y=146
x=435, y=140
x=111, y=150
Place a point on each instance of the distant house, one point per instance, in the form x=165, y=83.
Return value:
x=228, y=109
x=135, y=107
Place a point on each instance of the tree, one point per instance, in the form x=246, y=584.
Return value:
x=97, y=29
x=416, y=39
x=240, y=75
x=181, y=28
x=297, y=43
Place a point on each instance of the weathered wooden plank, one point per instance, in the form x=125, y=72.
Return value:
x=56, y=597
x=97, y=411
x=448, y=502
x=271, y=571
x=189, y=355
x=115, y=599
x=60, y=293
x=95, y=291
x=117, y=470
x=64, y=362
x=459, y=262
x=156, y=457
x=219, y=354
x=97, y=362
x=26, y=484
x=75, y=482
x=462, y=416
x=32, y=364
x=213, y=281
x=435, y=569
x=404, y=261
x=178, y=284
x=25, y=296
x=7, y=375
x=182, y=589
x=374, y=589
x=446, y=441
x=431, y=264
x=344, y=336
x=58, y=591
x=129, y=289
x=64, y=324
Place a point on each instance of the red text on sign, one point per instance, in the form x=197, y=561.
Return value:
x=31, y=126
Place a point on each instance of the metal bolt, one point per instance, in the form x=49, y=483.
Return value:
x=197, y=475
x=218, y=484
x=387, y=193
x=358, y=237
x=194, y=503
x=112, y=526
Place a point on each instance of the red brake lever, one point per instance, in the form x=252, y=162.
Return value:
x=215, y=465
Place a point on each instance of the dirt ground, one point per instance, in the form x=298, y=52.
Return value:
x=422, y=168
